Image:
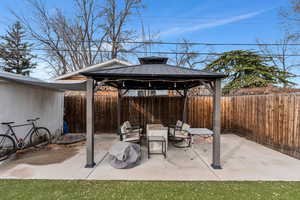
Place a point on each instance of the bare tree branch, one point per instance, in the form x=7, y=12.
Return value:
x=279, y=54
x=185, y=56
x=90, y=30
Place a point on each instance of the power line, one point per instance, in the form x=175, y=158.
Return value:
x=180, y=43
x=150, y=52
x=209, y=44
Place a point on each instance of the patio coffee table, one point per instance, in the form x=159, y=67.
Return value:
x=159, y=139
x=157, y=130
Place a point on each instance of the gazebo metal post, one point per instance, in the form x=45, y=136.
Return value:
x=184, y=114
x=216, y=164
x=90, y=123
x=119, y=113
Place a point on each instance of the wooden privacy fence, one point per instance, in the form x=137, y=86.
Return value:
x=140, y=110
x=272, y=120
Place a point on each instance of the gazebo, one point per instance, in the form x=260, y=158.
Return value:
x=153, y=73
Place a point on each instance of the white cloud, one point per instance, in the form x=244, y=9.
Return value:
x=200, y=26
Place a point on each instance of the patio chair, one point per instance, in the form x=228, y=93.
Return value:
x=174, y=127
x=182, y=136
x=133, y=127
x=130, y=134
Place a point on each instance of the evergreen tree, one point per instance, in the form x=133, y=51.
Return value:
x=246, y=69
x=15, y=53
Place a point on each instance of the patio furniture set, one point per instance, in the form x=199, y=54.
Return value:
x=153, y=73
x=158, y=136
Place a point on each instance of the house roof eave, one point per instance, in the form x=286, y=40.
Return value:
x=93, y=67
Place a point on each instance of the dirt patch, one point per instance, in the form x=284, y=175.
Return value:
x=52, y=154
x=70, y=139
x=45, y=156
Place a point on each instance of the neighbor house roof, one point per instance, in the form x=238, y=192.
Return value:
x=94, y=67
x=57, y=85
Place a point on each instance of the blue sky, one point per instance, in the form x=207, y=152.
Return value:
x=212, y=21
x=216, y=21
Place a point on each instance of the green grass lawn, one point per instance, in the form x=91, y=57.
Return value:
x=47, y=189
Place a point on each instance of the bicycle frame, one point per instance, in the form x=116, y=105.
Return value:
x=11, y=131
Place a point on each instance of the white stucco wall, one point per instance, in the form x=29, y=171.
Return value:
x=19, y=102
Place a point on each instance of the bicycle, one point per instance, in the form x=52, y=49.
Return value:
x=10, y=143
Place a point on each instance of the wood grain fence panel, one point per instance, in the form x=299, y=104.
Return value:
x=272, y=120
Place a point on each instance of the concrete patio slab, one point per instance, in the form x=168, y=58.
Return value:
x=56, y=161
x=179, y=165
x=241, y=160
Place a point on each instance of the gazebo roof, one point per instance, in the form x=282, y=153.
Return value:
x=153, y=76
x=153, y=71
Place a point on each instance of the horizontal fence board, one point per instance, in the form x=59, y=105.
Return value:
x=272, y=120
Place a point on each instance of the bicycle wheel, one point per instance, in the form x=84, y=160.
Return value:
x=40, y=137
x=7, y=146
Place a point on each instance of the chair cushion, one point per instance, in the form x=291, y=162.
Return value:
x=127, y=124
x=179, y=123
x=130, y=139
x=136, y=130
x=181, y=134
x=124, y=129
x=171, y=131
x=185, y=126
x=132, y=134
